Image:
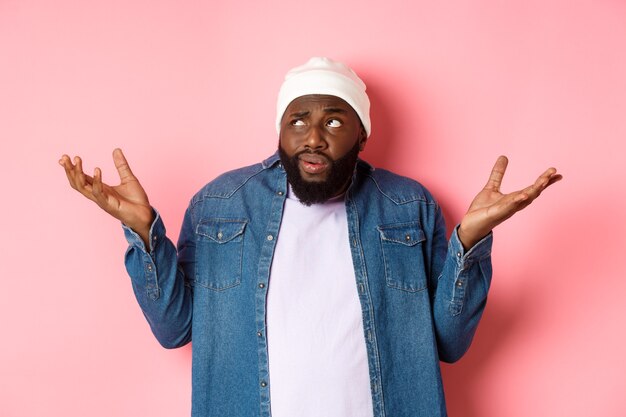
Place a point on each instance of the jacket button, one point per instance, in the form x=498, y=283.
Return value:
x=259, y=334
x=270, y=237
x=280, y=193
x=263, y=384
x=261, y=285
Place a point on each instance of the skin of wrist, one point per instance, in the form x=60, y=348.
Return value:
x=468, y=240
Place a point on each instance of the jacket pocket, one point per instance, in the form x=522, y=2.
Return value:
x=402, y=256
x=219, y=253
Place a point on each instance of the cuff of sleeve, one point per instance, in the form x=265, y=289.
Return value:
x=479, y=251
x=157, y=232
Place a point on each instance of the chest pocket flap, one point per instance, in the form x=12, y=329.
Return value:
x=404, y=234
x=219, y=252
x=221, y=230
x=403, y=255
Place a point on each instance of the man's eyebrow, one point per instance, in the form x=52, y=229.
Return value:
x=299, y=114
x=335, y=110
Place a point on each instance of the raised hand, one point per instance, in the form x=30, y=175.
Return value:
x=490, y=207
x=127, y=202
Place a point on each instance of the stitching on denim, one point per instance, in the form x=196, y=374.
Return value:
x=397, y=201
x=205, y=195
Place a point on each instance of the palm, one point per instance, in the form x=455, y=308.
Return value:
x=127, y=202
x=485, y=203
x=491, y=207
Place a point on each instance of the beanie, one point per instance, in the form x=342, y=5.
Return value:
x=324, y=76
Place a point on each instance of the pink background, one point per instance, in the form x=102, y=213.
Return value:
x=187, y=89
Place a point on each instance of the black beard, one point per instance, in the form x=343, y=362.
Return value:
x=310, y=192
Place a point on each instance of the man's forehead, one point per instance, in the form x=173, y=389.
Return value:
x=318, y=100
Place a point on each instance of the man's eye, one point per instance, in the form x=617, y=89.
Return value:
x=297, y=122
x=333, y=123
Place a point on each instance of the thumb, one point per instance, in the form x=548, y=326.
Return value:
x=123, y=169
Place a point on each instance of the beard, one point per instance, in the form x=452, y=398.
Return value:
x=314, y=192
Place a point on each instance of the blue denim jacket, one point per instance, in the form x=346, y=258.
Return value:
x=421, y=296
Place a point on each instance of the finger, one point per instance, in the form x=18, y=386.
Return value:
x=531, y=192
x=521, y=197
x=97, y=189
x=79, y=176
x=122, y=166
x=554, y=178
x=66, y=163
x=548, y=177
x=511, y=204
x=552, y=172
x=546, y=180
x=82, y=181
x=548, y=173
x=497, y=173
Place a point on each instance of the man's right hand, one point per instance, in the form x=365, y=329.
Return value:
x=127, y=202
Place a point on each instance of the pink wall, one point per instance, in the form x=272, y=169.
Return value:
x=188, y=90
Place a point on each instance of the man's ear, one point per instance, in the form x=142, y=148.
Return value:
x=362, y=138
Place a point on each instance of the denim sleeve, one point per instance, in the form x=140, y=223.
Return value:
x=159, y=284
x=461, y=292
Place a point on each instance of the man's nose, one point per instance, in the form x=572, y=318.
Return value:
x=316, y=138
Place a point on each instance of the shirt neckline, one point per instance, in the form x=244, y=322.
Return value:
x=292, y=196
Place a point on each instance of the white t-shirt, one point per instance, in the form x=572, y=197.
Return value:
x=316, y=344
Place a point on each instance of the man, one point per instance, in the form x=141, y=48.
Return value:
x=312, y=284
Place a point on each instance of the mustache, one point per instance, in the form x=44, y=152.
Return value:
x=323, y=155
x=312, y=152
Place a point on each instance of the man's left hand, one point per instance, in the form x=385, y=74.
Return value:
x=490, y=207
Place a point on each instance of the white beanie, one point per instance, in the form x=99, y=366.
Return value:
x=324, y=76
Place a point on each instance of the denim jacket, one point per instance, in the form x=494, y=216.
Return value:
x=421, y=296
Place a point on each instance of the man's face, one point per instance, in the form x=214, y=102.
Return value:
x=320, y=139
